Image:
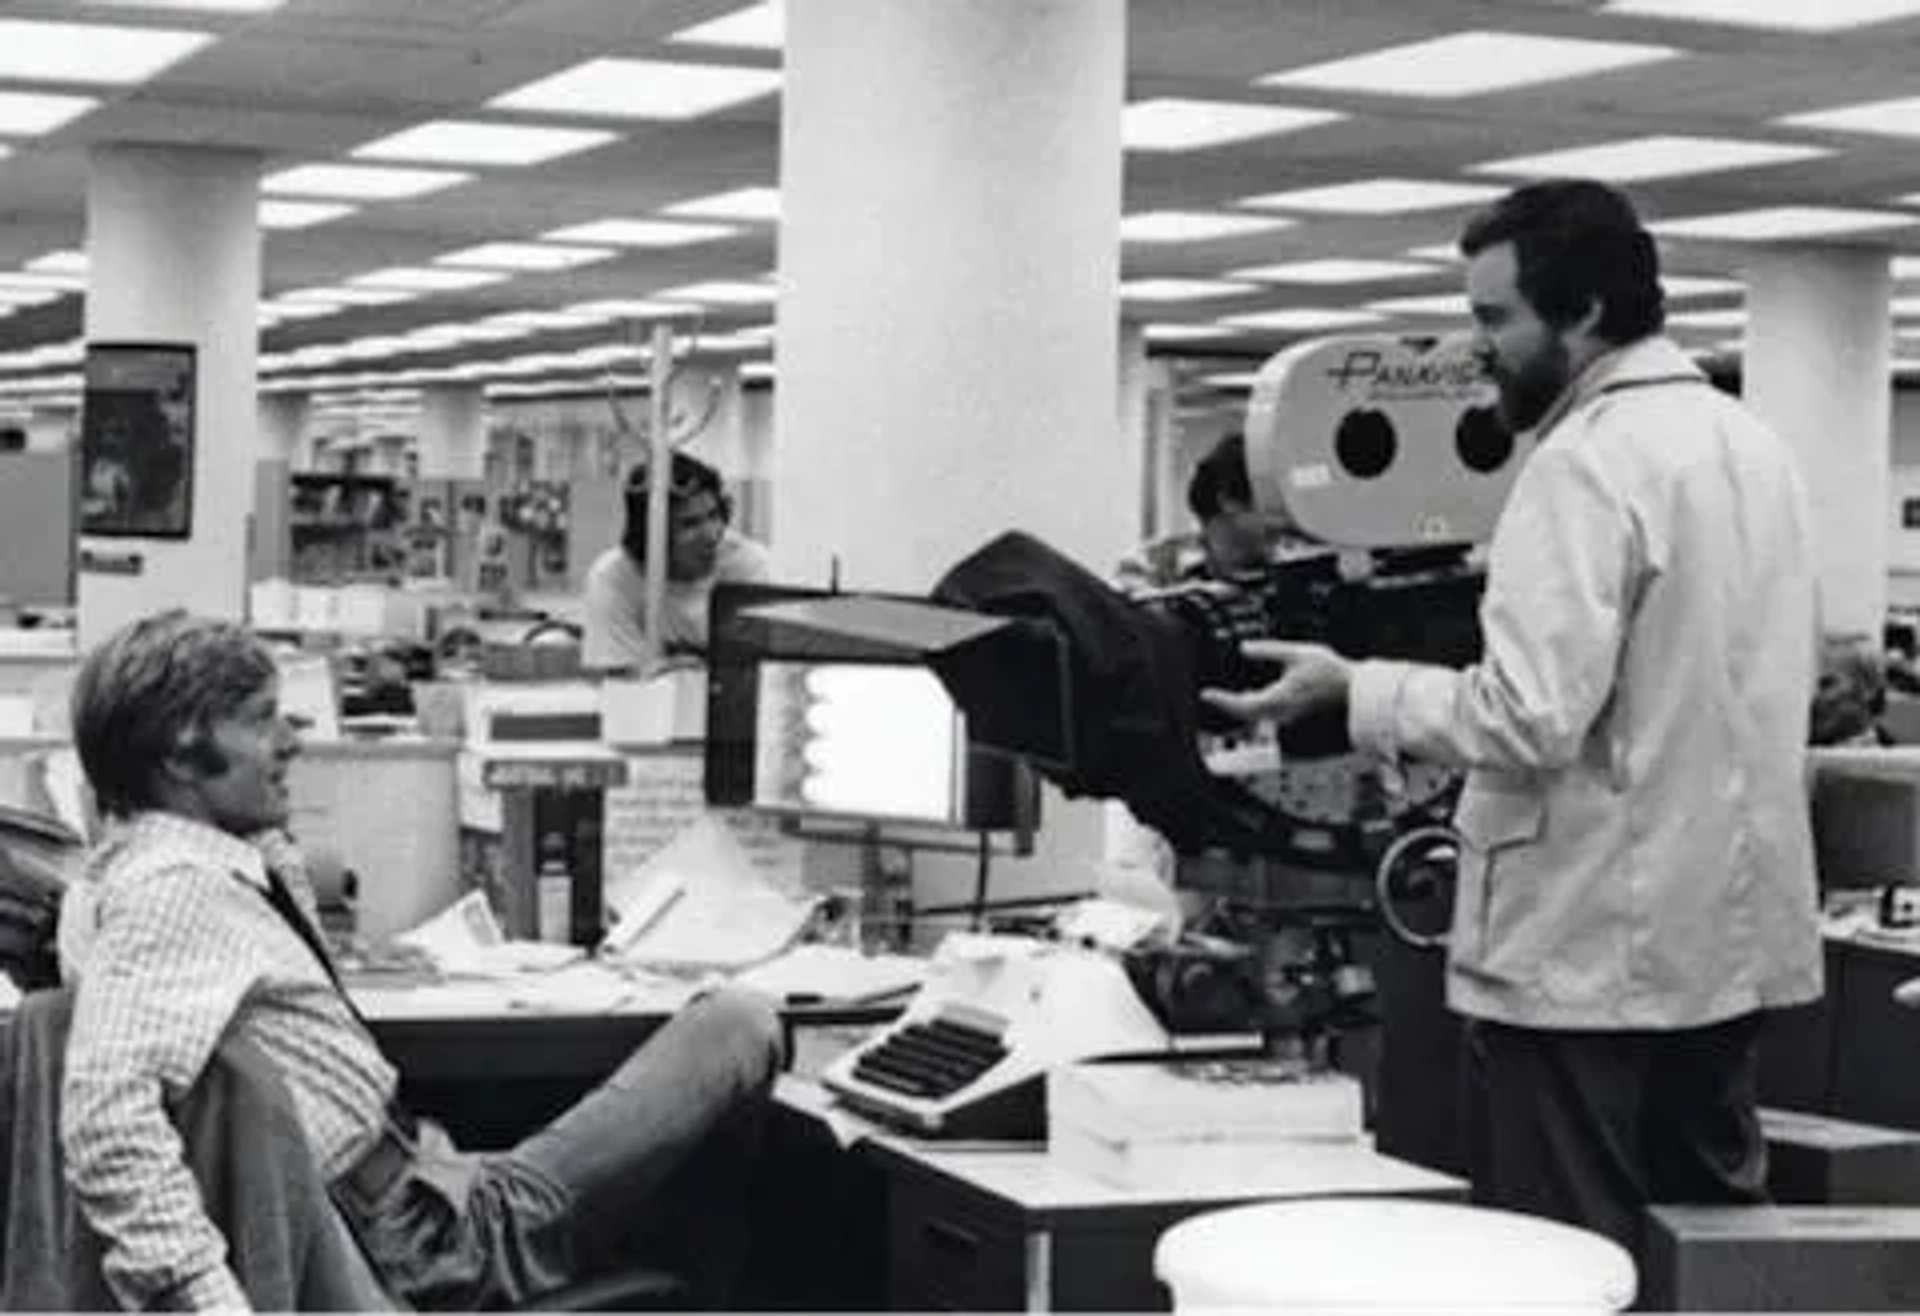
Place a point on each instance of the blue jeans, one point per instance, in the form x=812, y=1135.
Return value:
x=650, y=1168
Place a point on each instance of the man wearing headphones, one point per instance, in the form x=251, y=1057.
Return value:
x=701, y=551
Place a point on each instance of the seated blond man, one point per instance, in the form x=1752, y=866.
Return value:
x=201, y=925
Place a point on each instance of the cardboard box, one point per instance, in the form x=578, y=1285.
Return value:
x=1781, y=1258
x=1819, y=1159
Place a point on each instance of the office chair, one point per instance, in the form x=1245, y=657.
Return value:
x=36, y=852
x=286, y=1242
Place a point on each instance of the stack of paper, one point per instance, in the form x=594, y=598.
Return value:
x=1193, y=1121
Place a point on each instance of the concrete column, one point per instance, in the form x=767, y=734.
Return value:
x=753, y=509
x=52, y=429
x=947, y=360
x=1818, y=350
x=949, y=262
x=173, y=248
x=1136, y=421
x=282, y=427
x=453, y=432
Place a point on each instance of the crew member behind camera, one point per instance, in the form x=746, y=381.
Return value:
x=200, y=925
x=1236, y=542
x=1636, y=884
x=702, y=550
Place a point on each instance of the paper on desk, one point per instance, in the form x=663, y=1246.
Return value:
x=9, y=994
x=698, y=903
x=457, y=934
x=834, y=975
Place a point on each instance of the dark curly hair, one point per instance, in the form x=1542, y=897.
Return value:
x=1577, y=242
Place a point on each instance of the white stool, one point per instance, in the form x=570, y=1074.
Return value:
x=1380, y=1252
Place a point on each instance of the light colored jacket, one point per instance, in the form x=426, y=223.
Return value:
x=1637, y=841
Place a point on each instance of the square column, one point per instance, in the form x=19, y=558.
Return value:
x=173, y=249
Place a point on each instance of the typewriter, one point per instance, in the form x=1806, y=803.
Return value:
x=969, y=1056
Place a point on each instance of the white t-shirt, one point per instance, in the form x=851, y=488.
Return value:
x=615, y=629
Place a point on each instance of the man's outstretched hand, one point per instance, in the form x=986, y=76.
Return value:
x=1313, y=678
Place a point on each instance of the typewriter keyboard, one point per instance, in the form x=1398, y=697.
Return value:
x=931, y=1060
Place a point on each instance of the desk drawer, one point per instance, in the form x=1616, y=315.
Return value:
x=947, y=1251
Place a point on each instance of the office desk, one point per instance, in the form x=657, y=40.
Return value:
x=474, y=1056
x=985, y=1227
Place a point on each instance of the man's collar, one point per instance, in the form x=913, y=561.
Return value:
x=242, y=855
x=1653, y=357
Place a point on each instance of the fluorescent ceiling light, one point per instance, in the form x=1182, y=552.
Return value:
x=1468, y=64
x=424, y=280
x=1170, y=123
x=1893, y=118
x=1303, y=318
x=1194, y=226
x=1232, y=379
x=41, y=279
x=1641, y=158
x=757, y=370
x=1731, y=317
x=1180, y=290
x=639, y=233
x=1799, y=15
x=301, y=214
x=725, y=292
x=754, y=203
x=490, y=333
x=30, y=113
x=203, y=6
x=523, y=256
x=1447, y=253
x=60, y=262
x=1698, y=285
x=1329, y=272
x=541, y=320
x=641, y=89
x=458, y=142
x=761, y=27
x=360, y=182
x=1905, y=306
x=1452, y=303
x=17, y=296
x=1184, y=333
x=300, y=310
x=347, y=296
x=1781, y=222
x=90, y=53
x=1377, y=196
x=627, y=308
x=1906, y=267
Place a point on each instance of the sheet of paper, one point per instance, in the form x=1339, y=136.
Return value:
x=458, y=935
x=834, y=975
x=665, y=795
x=308, y=692
x=725, y=916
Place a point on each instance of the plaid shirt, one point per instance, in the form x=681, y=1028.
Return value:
x=177, y=944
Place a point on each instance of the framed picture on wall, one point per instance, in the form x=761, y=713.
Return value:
x=1910, y=513
x=137, y=439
